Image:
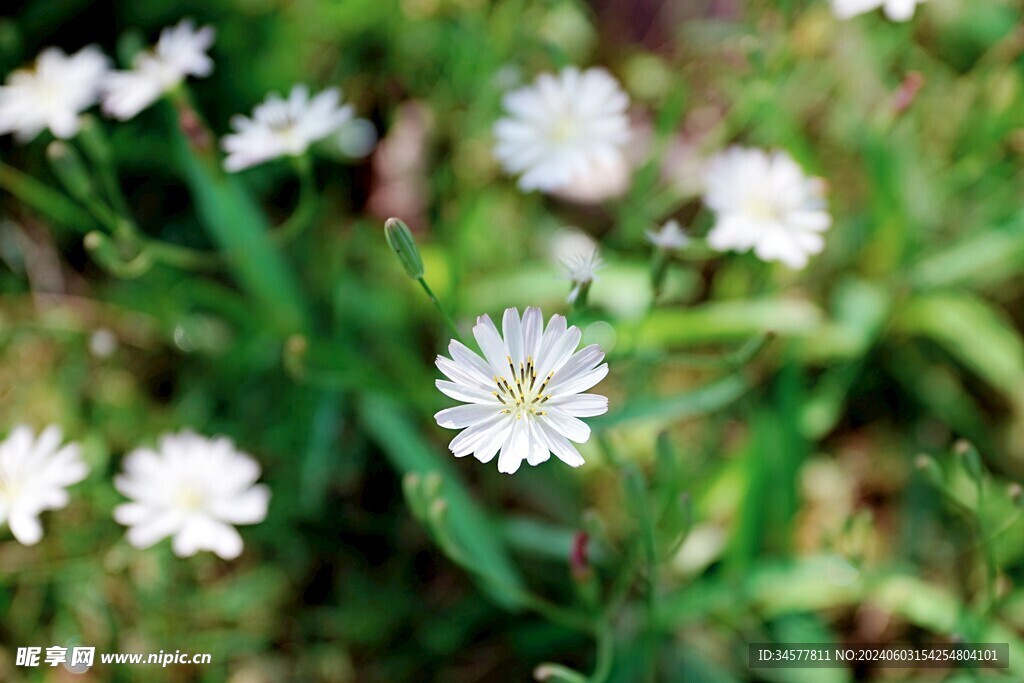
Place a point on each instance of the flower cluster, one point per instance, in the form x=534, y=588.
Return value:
x=52, y=95
x=190, y=488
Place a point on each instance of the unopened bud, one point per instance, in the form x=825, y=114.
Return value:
x=972, y=459
x=194, y=129
x=432, y=485
x=401, y=241
x=1016, y=493
x=929, y=468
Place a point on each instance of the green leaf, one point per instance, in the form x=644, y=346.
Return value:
x=974, y=333
x=724, y=321
x=240, y=229
x=707, y=399
x=471, y=527
x=985, y=257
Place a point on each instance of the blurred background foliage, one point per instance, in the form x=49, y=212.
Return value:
x=793, y=407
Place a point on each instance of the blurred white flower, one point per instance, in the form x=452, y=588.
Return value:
x=180, y=52
x=52, y=93
x=194, y=489
x=561, y=127
x=765, y=202
x=582, y=270
x=524, y=400
x=670, y=237
x=897, y=10
x=34, y=471
x=284, y=127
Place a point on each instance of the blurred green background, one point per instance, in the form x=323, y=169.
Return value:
x=792, y=407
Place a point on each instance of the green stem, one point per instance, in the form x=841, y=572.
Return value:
x=97, y=149
x=302, y=217
x=440, y=307
x=990, y=560
x=44, y=199
x=605, y=653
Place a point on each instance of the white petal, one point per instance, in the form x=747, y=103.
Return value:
x=581, y=362
x=539, y=451
x=152, y=530
x=582, y=405
x=560, y=446
x=580, y=382
x=515, y=449
x=467, y=415
x=248, y=507
x=533, y=328
x=470, y=362
x=467, y=376
x=202, y=533
x=25, y=527
x=567, y=425
x=478, y=435
x=460, y=392
x=491, y=344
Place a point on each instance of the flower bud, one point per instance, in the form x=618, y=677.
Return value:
x=972, y=459
x=929, y=468
x=579, y=558
x=401, y=241
x=1016, y=493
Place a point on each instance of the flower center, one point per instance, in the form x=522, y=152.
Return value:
x=9, y=489
x=563, y=130
x=762, y=207
x=191, y=498
x=522, y=396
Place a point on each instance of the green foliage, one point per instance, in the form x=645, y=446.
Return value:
x=778, y=460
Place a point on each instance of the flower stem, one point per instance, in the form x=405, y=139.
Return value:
x=302, y=217
x=440, y=307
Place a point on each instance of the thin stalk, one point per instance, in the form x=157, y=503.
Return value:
x=97, y=149
x=302, y=217
x=440, y=307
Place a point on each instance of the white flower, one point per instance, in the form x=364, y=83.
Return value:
x=52, y=93
x=524, y=400
x=561, y=127
x=280, y=127
x=582, y=270
x=194, y=489
x=897, y=10
x=765, y=202
x=180, y=52
x=34, y=471
x=670, y=238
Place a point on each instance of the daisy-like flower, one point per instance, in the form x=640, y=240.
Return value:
x=763, y=201
x=896, y=10
x=52, y=93
x=194, y=489
x=562, y=127
x=284, y=127
x=34, y=471
x=582, y=271
x=523, y=402
x=179, y=53
x=670, y=237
